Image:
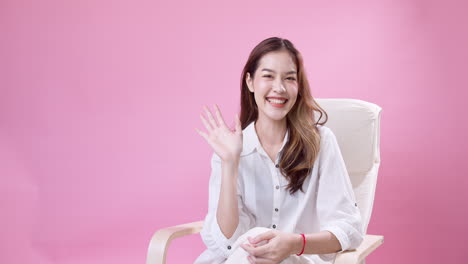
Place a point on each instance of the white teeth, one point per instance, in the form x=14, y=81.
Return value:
x=276, y=101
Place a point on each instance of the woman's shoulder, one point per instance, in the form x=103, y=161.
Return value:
x=327, y=136
x=324, y=131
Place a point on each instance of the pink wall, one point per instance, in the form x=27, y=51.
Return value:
x=99, y=101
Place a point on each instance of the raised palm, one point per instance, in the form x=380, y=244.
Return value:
x=225, y=142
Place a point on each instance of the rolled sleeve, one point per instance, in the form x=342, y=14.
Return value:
x=336, y=203
x=211, y=233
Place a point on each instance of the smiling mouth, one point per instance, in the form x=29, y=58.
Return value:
x=277, y=101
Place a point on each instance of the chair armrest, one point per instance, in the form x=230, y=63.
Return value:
x=369, y=244
x=160, y=241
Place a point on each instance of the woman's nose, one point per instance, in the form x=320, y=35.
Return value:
x=279, y=87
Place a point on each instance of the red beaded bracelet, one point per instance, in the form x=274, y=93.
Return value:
x=303, y=246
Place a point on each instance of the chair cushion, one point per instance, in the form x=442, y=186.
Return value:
x=354, y=124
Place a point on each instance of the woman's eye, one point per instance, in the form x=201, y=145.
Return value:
x=292, y=78
x=267, y=76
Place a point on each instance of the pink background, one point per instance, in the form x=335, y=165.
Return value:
x=99, y=101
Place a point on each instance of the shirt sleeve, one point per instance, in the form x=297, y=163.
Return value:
x=336, y=203
x=211, y=233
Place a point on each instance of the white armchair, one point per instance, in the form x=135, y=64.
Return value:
x=356, y=125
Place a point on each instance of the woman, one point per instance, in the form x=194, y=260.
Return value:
x=279, y=191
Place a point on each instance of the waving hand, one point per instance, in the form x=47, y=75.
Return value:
x=225, y=142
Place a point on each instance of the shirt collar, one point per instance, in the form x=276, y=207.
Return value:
x=251, y=141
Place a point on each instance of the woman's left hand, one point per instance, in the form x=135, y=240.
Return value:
x=279, y=246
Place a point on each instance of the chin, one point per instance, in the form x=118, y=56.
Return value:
x=277, y=117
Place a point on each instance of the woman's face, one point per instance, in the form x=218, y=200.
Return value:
x=274, y=85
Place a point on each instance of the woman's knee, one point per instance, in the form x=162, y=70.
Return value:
x=253, y=232
x=239, y=255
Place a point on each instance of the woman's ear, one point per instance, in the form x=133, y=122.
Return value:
x=248, y=81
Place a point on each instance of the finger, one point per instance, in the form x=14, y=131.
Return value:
x=252, y=244
x=259, y=260
x=201, y=133
x=256, y=251
x=247, y=248
x=210, y=118
x=263, y=261
x=206, y=123
x=219, y=116
x=263, y=236
x=261, y=250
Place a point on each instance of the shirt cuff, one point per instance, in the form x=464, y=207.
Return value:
x=225, y=244
x=340, y=235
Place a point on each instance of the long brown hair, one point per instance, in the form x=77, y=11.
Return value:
x=301, y=150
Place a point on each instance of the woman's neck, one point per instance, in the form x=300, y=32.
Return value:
x=271, y=133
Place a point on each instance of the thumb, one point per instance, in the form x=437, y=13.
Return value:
x=238, y=124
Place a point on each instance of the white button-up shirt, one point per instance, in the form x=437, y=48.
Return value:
x=327, y=203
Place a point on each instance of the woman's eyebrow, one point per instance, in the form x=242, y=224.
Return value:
x=289, y=72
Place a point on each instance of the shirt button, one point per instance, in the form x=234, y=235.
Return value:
x=276, y=209
x=277, y=165
x=274, y=226
x=229, y=247
x=277, y=186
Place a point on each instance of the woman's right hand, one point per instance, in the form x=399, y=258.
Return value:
x=225, y=142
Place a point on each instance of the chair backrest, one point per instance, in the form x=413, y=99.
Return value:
x=356, y=125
